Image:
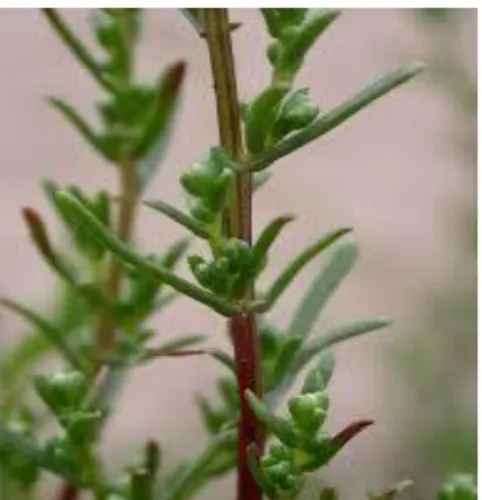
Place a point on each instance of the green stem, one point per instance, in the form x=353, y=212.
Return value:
x=238, y=224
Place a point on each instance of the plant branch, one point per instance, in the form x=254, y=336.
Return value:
x=128, y=201
x=237, y=224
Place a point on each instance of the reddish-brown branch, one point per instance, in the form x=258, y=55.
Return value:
x=247, y=369
x=69, y=492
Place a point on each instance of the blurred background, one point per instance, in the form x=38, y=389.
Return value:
x=402, y=173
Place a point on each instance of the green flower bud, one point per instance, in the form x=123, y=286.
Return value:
x=201, y=212
x=200, y=269
x=238, y=255
x=107, y=30
x=81, y=426
x=19, y=468
x=459, y=487
x=315, y=452
x=63, y=452
x=309, y=411
x=62, y=391
x=296, y=112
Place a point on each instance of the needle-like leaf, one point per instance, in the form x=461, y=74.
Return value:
x=84, y=129
x=121, y=251
x=49, y=331
x=322, y=287
x=331, y=119
x=295, y=266
x=193, y=225
x=76, y=47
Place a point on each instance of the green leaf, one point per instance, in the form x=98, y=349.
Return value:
x=266, y=239
x=331, y=119
x=260, y=117
x=280, y=427
x=192, y=15
x=151, y=145
x=49, y=331
x=76, y=47
x=315, y=24
x=255, y=470
x=190, y=476
x=322, y=287
x=121, y=251
x=288, y=349
x=84, y=129
x=336, y=335
x=223, y=357
x=12, y=442
x=193, y=225
x=174, y=253
x=67, y=314
x=40, y=237
x=318, y=378
x=174, y=345
x=295, y=266
x=347, y=434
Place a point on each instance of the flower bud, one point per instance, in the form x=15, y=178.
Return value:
x=61, y=450
x=309, y=411
x=62, y=391
x=297, y=111
x=81, y=426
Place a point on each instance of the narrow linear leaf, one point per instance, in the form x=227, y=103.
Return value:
x=40, y=237
x=76, y=47
x=266, y=239
x=174, y=253
x=295, y=266
x=15, y=443
x=223, y=357
x=260, y=179
x=191, y=475
x=174, y=345
x=322, y=287
x=280, y=427
x=192, y=15
x=347, y=434
x=335, y=336
x=181, y=218
x=328, y=121
x=49, y=331
x=255, y=470
x=121, y=251
x=152, y=142
x=318, y=378
x=80, y=125
x=316, y=23
x=283, y=360
x=260, y=117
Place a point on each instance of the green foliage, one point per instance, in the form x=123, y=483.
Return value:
x=121, y=286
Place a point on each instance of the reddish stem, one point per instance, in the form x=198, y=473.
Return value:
x=247, y=368
x=69, y=492
x=237, y=224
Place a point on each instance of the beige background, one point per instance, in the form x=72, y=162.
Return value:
x=391, y=173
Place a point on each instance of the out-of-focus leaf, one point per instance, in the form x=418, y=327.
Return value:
x=288, y=275
x=322, y=288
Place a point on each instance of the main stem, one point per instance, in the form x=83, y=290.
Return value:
x=237, y=224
